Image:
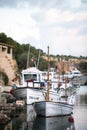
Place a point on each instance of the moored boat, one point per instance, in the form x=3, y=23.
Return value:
x=51, y=108
x=31, y=88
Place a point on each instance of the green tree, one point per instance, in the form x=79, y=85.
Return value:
x=83, y=67
x=3, y=38
x=43, y=65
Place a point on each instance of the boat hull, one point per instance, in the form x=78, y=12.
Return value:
x=49, y=109
x=29, y=95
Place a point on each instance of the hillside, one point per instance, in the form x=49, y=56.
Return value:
x=20, y=53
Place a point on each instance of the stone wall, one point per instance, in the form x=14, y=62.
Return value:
x=7, y=63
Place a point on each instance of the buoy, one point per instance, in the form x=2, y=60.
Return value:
x=71, y=119
x=11, y=92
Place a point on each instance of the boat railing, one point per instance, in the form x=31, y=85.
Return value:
x=36, y=84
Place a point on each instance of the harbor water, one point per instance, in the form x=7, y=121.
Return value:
x=77, y=121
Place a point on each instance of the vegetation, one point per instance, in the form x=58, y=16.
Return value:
x=83, y=67
x=20, y=53
x=4, y=77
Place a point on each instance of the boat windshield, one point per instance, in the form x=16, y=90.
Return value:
x=30, y=77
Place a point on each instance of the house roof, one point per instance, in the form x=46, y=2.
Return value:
x=4, y=44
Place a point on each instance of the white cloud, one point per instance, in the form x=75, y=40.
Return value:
x=18, y=24
x=63, y=41
x=74, y=3
x=58, y=28
x=55, y=15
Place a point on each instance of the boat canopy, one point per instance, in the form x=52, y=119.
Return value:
x=31, y=70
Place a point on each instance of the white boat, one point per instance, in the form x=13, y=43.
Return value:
x=29, y=95
x=32, y=83
x=74, y=72
x=62, y=107
x=32, y=94
x=31, y=88
x=51, y=108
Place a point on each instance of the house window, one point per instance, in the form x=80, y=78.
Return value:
x=3, y=49
x=8, y=50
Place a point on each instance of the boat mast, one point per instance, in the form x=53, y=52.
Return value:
x=38, y=60
x=28, y=56
x=48, y=83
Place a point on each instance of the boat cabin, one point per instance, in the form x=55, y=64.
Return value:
x=32, y=77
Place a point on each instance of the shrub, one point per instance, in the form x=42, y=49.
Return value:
x=4, y=77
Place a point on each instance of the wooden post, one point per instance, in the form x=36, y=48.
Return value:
x=48, y=83
x=0, y=92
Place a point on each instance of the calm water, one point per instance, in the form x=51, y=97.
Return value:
x=77, y=121
x=80, y=109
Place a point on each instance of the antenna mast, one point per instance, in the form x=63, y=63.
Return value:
x=28, y=56
x=38, y=60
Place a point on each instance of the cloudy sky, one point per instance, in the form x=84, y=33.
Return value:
x=61, y=24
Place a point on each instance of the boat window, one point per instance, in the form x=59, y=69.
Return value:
x=77, y=73
x=29, y=77
x=70, y=72
x=39, y=77
x=35, y=77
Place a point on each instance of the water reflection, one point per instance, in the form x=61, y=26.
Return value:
x=80, y=109
x=24, y=121
x=81, y=97
x=54, y=123
x=41, y=123
x=28, y=121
